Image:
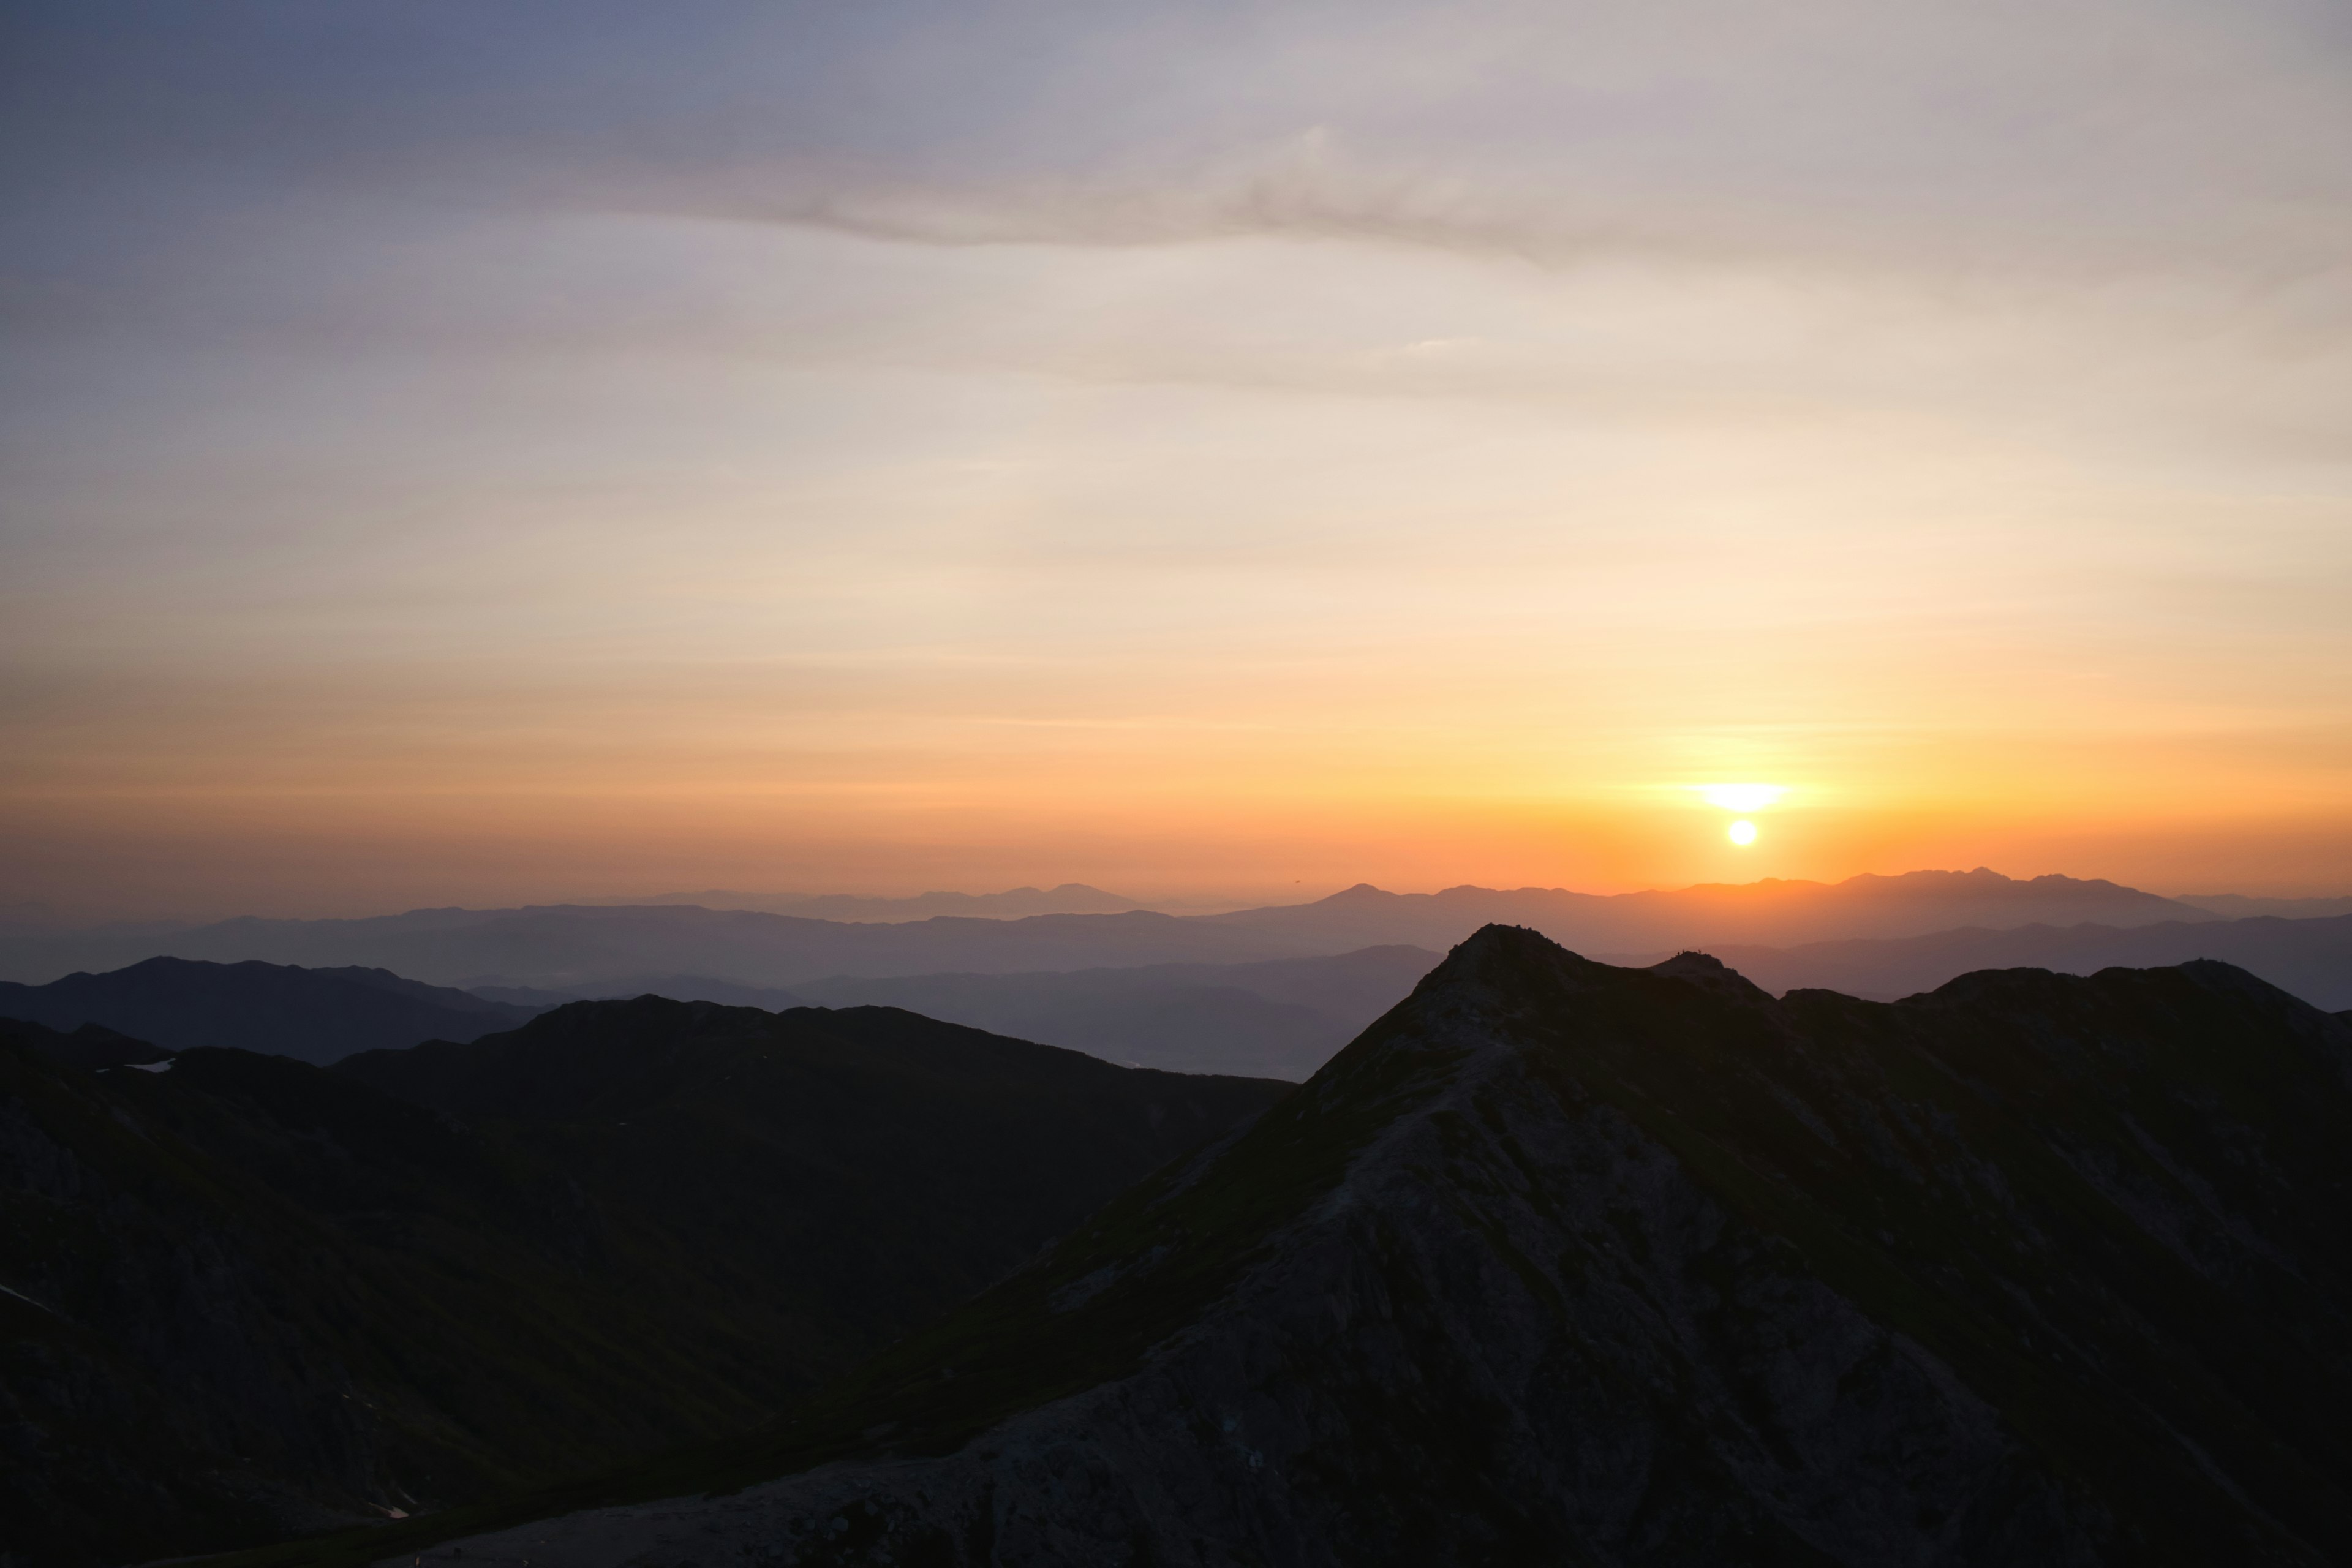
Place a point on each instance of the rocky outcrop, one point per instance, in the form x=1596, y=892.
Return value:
x=1561, y=1263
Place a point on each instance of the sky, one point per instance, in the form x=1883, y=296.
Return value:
x=455, y=453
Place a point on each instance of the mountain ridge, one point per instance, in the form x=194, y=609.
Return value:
x=560, y=946
x=1561, y=1261
x=249, y=1297
x=318, y=1016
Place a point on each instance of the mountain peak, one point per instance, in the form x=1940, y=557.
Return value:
x=1556, y=1250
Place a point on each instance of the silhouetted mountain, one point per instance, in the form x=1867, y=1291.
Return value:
x=1282, y=1018
x=2238, y=907
x=246, y=1295
x=317, y=1015
x=1069, y=899
x=676, y=988
x=92, y=1047
x=1563, y=1263
x=567, y=948
x=2311, y=958
x=1779, y=912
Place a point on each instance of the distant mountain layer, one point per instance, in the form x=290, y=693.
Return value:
x=1282, y=1018
x=1562, y=1263
x=2311, y=959
x=570, y=947
x=244, y=1296
x=2238, y=907
x=1779, y=912
x=1069, y=899
x=318, y=1016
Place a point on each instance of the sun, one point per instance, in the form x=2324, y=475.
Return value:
x=1743, y=833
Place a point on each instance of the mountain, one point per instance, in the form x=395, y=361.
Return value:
x=1774, y=911
x=1568, y=1263
x=1282, y=1018
x=244, y=1295
x=312, y=1015
x=2309, y=958
x=568, y=947
x=92, y=1048
x=1069, y=899
x=2238, y=907
x=676, y=988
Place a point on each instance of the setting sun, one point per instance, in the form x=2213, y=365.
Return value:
x=1743, y=833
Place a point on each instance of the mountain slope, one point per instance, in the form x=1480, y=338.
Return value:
x=317, y=1015
x=246, y=1295
x=2308, y=958
x=1561, y=1263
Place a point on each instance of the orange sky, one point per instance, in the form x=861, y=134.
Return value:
x=1205, y=451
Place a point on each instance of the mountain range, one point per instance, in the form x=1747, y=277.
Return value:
x=1560, y=1262
x=571, y=946
x=2310, y=958
x=1280, y=1018
x=241, y=1296
x=1275, y=1019
x=1069, y=899
x=318, y=1016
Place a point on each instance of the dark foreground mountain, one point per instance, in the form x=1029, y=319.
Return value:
x=568, y=947
x=92, y=1047
x=246, y=1296
x=1281, y=1018
x=2308, y=958
x=318, y=1016
x=1563, y=1263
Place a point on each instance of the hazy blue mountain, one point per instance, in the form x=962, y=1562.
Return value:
x=317, y=1015
x=566, y=947
x=244, y=1295
x=2308, y=958
x=1282, y=1018
x=1779, y=912
x=1564, y=1263
x=1069, y=899
x=572, y=947
x=2238, y=907
x=676, y=988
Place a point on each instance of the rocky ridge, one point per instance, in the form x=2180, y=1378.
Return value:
x=1564, y=1263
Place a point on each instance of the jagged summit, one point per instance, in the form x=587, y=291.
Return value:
x=1562, y=1262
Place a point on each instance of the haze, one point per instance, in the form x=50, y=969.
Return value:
x=462, y=453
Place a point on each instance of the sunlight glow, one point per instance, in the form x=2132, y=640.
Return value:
x=1743, y=833
x=1742, y=796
